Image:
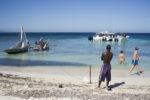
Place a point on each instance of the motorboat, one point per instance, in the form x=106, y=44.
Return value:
x=108, y=36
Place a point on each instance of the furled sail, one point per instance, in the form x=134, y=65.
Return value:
x=21, y=44
x=27, y=42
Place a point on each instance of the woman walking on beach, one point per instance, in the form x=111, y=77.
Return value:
x=106, y=68
x=135, y=61
x=121, y=57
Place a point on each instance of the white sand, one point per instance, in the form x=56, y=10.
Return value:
x=80, y=77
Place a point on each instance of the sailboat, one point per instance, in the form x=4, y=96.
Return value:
x=20, y=47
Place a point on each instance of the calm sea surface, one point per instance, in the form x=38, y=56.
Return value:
x=74, y=50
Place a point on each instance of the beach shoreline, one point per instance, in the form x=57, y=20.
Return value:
x=23, y=81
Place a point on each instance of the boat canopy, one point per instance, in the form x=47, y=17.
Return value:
x=106, y=33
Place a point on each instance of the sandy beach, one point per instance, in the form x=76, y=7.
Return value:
x=55, y=49
x=64, y=83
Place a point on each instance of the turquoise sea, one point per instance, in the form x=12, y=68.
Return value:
x=74, y=50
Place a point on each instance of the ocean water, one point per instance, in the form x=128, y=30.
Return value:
x=74, y=50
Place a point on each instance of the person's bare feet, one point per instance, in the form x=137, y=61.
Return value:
x=129, y=74
x=108, y=88
x=141, y=75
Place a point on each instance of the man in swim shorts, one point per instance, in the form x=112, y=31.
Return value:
x=106, y=68
x=135, y=61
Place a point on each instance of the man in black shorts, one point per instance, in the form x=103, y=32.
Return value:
x=106, y=68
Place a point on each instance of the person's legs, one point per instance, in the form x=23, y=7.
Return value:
x=99, y=84
x=138, y=70
x=123, y=62
x=131, y=70
x=120, y=62
x=133, y=65
x=102, y=75
x=107, y=84
x=108, y=77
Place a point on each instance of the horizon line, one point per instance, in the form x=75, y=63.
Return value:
x=72, y=32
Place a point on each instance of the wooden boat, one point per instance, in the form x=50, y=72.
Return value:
x=14, y=51
x=41, y=47
x=20, y=47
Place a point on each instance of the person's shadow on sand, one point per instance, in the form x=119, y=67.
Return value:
x=136, y=73
x=116, y=84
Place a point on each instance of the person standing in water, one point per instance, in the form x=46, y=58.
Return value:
x=41, y=43
x=135, y=61
x=106, y=68
x=121, y=57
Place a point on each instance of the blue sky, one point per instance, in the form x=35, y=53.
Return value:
x=75, y=15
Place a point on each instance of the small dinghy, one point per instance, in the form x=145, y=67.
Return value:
x=20, y=47
x=41, y=46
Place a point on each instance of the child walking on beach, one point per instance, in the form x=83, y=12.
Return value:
x=135, y=61
x=106, y=68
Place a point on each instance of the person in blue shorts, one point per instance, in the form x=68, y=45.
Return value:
x=135, y=61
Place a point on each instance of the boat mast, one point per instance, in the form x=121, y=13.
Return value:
x=22, y=36
x=21, y=33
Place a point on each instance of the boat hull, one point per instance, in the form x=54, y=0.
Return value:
x=44, y=49
x=37, y=47
x=15, y=51
x=108, y=36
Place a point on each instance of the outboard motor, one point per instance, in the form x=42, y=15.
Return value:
x=90, y=38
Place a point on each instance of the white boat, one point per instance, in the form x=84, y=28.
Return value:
x=108, y=36
x=98, y=37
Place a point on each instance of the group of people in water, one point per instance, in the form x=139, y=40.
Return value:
x=106, y=67
x=41, y=42
x=41, y=45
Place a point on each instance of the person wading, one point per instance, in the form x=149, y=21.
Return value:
x=135, y=61
x=106, y=67
x=121, y=57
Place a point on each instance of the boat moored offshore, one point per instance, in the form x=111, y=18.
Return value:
x=20, y=47
x=108, y=36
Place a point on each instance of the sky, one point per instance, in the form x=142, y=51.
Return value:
x=75, y=15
